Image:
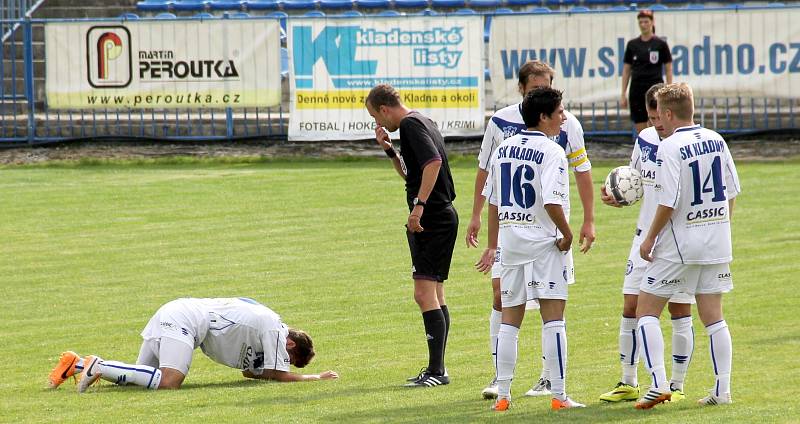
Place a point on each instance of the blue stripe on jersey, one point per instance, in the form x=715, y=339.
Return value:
x=736, y=186
x=562, y=140
x=677, y=247
x=692, y=128
x=507, y=127
x=649, y=150
x=220, y=322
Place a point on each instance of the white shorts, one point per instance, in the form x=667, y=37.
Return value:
x=634, y=272
x=166, y=353
x=544, y=278
x=665, y=279
x=177, y=320
x=497, y=272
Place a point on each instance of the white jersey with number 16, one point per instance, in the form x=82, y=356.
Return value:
x=527, y=172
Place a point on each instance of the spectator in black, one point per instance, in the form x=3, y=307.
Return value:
x=647, y=60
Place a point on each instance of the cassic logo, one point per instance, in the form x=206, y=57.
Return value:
x=536, y=284
x=108, y=56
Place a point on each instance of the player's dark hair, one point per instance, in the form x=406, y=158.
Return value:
x=535, y=68
x=538, y=101
x=303, y=350
x=383, y=95
x=650, y=97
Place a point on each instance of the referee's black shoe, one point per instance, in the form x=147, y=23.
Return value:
x=418, y=376
x=426, y=379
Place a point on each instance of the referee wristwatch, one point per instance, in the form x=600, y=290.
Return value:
x=417, y=202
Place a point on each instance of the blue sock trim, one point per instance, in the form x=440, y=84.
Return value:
x=560, y=358
x=646, y=351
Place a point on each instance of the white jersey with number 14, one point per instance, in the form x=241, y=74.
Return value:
x=696, y=177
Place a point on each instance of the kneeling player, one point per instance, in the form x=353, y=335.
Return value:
x=526, y=188
x=237, y=332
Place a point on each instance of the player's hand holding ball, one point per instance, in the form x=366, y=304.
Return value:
x=607, y=198
x=624, y=185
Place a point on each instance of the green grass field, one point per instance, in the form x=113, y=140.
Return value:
x=90, y=251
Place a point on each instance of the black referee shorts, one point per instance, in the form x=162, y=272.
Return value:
x=636, y=100
x=432, y=249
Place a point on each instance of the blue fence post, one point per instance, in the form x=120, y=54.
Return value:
x=28, y=52
x=229, y=123
x=228, y=110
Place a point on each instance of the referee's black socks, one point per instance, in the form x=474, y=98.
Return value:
x=436, y=333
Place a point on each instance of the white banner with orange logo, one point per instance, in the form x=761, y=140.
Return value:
x=163, y=64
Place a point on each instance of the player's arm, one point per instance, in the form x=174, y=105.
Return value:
x=288, y=377
x=491, y=138
x=486, y=260
x=383, y=140
x=429, y=175
x=663, y=214
x=667, y=191
x=578, y=160
x=477, y=208
x=554, y=184
x=586, y=192
x=556, y=213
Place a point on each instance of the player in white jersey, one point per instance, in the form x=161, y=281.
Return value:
x=643, y=159
x=237, y=332
x=527, y=188
x=688, y=244
x=505, y=123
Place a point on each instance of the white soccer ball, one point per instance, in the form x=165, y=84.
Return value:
x=625, y=185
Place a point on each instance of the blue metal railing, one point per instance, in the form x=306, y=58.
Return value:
x=26, y=118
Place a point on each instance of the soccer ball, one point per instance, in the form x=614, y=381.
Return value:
x=625, y=185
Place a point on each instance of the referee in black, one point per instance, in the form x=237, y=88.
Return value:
x=432, y=225
x=647, y=58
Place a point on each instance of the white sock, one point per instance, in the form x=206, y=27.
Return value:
x=506, y=358
x=555, y=352
x=545, y=369
x=495, y=319
x=721, y=355
x=629, y=351
x=682, y=349
x=653, y=352
x=122, y=374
